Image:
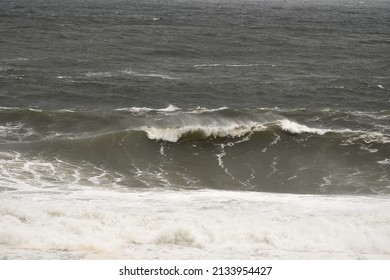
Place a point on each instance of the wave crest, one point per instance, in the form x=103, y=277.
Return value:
x=297, y=128
x=232, y=129
x=175, y=133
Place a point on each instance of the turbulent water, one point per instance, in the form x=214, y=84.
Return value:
x=194, y=129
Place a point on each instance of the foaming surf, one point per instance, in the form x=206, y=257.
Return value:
x=193, y=225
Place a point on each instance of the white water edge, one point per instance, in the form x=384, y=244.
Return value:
x=191, y=224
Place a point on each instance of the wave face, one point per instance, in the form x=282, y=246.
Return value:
x=265, y=150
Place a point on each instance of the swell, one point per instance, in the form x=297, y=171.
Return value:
x=172, y=123
x=270, y=160
x=257, y=150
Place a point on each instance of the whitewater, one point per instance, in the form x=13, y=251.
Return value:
x=206, y=224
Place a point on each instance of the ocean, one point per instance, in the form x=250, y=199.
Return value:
x=194, y=129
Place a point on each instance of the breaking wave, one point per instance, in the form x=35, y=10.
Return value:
x=258, y=150
x=233, y=129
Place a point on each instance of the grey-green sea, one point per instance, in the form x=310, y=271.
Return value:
x=194, y=129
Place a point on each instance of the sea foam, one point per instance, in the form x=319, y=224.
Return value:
x=176, y=133
x=193, y=224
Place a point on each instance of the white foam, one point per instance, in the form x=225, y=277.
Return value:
x=136, y=109
x=31, y=173
x=213, y=129
x=235, y=127
x=367, y=136
x=8, y=108
x=157, y=76
x=152, y=75
x=172, y=108
x=273, y=166
x=35, y=110
x=369, y=149
x=193, y=225
x=199, y=110
x=386, y=161
x=373, y=115
x=126, y=72
x=169, y=108
x=68, y=77
x=297, y=128
x=15, y=131
x=373, y=137
x=99, y=74
x=67, y=110
x=242, y=65
x=274, y=142
x=227, y=65
x=18, y=59
x=207, y=65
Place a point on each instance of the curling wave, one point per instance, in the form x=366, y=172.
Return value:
x=257, y=150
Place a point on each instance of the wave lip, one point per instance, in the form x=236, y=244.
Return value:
x=297, y=128
x=169, y=108
x=175, y=133
x=199, y=127
x=173, y=123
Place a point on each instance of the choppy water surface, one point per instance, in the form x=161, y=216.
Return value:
x=194, y=129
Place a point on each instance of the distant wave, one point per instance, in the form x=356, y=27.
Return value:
x=227, y=65
x=17, y=59
x=173, y=123
x=4, y=68
x=127, y=72
x=99, y=74
x=169, y=108
x=151, y=75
